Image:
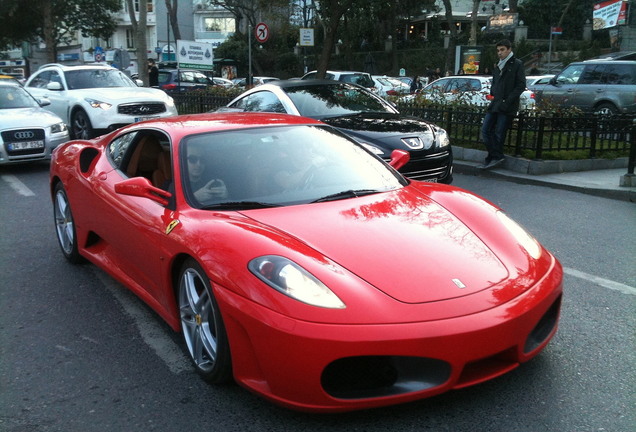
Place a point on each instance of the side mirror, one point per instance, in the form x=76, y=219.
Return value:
x=553, y=81
x=44, y=102
x=399, y=158
x=139, y=83
x=54, y=86
x=141, y=187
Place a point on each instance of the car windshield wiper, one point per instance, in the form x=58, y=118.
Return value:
x=351, y=193
x=239, y=205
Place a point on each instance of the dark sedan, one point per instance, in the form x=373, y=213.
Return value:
x=362, y=115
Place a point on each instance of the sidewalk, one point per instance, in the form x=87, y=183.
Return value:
x=600, y=182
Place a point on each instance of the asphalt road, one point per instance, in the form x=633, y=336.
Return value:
x=80, y=353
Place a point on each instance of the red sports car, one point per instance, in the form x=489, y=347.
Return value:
x=299, y=264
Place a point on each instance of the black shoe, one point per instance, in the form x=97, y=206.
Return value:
x=493, y=163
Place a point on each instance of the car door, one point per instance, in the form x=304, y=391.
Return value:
x=50, y=84
x=590, y=87
x=132, y=228
x=563, y=91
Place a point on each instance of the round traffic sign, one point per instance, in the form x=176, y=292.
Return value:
x=261, y=31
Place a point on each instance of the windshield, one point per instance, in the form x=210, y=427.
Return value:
x=16, y=97
x=97, y=78
x=330, y=100
x=278, y=166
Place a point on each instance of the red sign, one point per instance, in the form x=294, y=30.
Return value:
x=261, y=32
x=557, y=30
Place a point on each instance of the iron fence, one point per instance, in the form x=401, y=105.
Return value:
x=533, y=135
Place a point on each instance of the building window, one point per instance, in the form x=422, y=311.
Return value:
x=130, y=38
x=150, y=7
x=224, y=25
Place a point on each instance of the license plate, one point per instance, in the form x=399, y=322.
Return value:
x=26, y=145
x=430, y=180
x=138, y=119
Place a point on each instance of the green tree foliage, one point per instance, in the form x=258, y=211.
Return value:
x=540, y=15
x=55, y=21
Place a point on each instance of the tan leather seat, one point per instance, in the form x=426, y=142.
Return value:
x=162, y=176
x=143, y=162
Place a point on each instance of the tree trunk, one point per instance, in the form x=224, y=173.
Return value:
x=171, y=7
x=50, y=41
x=139, y=30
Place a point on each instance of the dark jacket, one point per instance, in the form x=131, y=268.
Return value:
x=507, y=86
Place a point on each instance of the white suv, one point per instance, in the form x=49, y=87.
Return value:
x=95, y=99
x=361, y=78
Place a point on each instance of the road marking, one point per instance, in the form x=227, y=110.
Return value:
x=17, y=185
x=148, y=325
x=605, y=283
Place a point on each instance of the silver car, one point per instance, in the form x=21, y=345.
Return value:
x=28, y=132
x=601, y=86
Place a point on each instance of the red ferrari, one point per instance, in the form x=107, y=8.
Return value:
x=299, y=264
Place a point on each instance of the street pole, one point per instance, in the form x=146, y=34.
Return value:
x=550, y=49
x=248, y=81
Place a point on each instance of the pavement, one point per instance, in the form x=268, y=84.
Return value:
x=600, y=182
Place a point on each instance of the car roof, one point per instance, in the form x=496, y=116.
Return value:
x=9, y=83
x=76, y=67
x=305, y=83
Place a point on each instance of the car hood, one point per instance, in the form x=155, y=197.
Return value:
x=124, y=94
x=402, y=242
x=27, y=117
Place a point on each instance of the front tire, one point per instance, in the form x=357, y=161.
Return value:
x=202, y=325
x=81, y=126
x=606, y=109
x=65, y=225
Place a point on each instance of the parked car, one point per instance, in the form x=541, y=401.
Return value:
x=472, y=90
x=345, y=287
x=601, y=86
x=256, y=81
x=222, y=82
x=362, y=115
x=28, y=132
x=388, y=86
x=360, y=78
x=181, y=80
x=534, y=82
x=95, y=99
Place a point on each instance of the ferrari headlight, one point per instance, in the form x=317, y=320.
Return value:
x=292, y=280
x=98, y=104
x=529, y=243
x=58, y=127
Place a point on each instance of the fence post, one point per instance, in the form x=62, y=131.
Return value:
x=449, y=122
x=594, y=131
x=632, y=149
x=520, y=125
x=538, y=153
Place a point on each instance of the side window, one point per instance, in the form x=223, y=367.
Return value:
x=264, y=102
x=592, y=74
x=118, y=147
x=571, y=74
x=41, y=79
x=310, y=76
x=620, y=74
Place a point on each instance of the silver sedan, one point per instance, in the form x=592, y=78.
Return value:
x=27, y=131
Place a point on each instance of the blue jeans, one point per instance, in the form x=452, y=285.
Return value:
x=493, y=132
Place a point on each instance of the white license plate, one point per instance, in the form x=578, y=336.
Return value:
x=138, y=119
x=26, y=145
x=430, y=180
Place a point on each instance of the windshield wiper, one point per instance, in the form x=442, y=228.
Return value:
x=239, y=205
x=351, y=193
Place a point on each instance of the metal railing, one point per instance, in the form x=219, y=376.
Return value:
x=533, y=135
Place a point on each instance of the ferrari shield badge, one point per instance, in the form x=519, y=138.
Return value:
x=173, y=223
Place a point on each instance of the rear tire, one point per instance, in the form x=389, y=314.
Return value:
x=606, y=109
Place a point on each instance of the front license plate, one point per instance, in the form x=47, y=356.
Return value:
x=430, y=180
x=138, y=119
x=26, y=145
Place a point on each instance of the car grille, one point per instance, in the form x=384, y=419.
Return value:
x=23, y=136
x=428, y=167
x=142, y=109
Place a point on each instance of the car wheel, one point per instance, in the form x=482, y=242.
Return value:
x=64, y=225
x=606, y=108
x=202, y=325
x=81, y=127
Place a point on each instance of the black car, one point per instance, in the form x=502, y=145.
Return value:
x=180, y=80
x=362, y=115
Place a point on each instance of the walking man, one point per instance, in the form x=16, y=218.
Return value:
x=508, y=82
